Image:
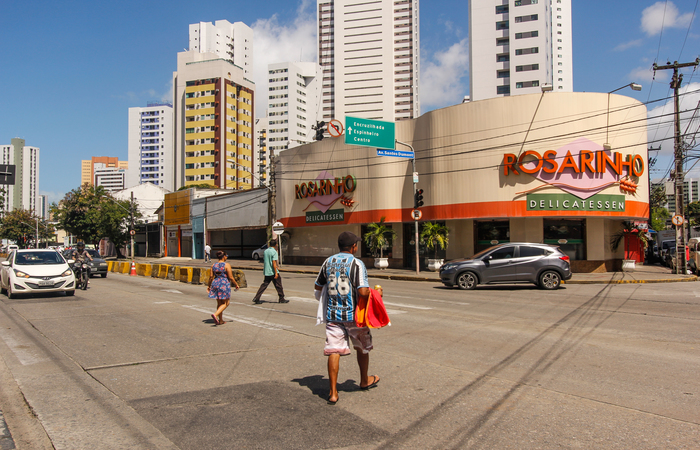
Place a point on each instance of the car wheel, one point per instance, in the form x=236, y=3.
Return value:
x=550, y=279
x=467, y=280
x=256, y=256
x=3, y=291
x=70, y=293
x=104, y=275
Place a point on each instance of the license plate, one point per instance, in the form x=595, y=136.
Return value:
x=45, y=283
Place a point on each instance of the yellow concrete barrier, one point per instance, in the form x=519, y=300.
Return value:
x=185, y=275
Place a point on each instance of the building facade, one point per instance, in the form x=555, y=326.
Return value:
x=24, y=194
x=110, y=178
x=293, y=106
x=262, y=153
x=553, y=182
x=369, y=55
x=691, y=193
x=105, y=164
x=232, y=41
x=151, y=146
x=517, y=46
x=213, y=122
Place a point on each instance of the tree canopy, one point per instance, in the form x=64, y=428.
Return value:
x=21, y=226
x=91, y=213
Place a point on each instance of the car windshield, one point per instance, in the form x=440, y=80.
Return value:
x=37, y=258
x=93, y=253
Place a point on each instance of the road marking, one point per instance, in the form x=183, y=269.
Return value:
x=247, y=320
x=20, y=349
x=161, y=303
x=401, y=305
x=172, y=291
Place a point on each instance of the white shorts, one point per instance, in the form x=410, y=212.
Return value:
x=337, y=334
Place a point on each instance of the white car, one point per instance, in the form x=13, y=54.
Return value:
x=259, y=253
x=33, y=271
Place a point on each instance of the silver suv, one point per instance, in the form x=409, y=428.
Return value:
x=514, y=262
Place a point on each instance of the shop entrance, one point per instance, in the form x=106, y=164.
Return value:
x=568, y=235
x=491, y=233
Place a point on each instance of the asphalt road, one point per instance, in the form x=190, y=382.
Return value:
x=137, y=363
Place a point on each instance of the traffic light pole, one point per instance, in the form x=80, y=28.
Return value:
x=415, y=186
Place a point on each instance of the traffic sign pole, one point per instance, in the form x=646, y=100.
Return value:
x=415, y=186
x=278, y=229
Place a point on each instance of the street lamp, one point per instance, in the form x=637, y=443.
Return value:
x=634, y=87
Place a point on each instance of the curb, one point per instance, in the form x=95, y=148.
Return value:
x=200, y=275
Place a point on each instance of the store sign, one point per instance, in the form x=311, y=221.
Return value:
x=325, y=190
x=336, y=215
x=581, y=168
x=569, y=202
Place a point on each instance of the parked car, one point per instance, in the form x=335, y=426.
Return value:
x=98, y=266
x=515, y=262
x=258, y=254
x=30, y=271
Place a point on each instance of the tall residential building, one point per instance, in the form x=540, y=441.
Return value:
x=213, y=122
x=516, y=46
x=151, y=144
x=293, y=105
x=369, y=54
x=691, y=193
x=227, y=40
x=24, y=194
x=88, y=166
x=262, y=157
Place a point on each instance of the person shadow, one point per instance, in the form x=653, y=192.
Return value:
x=319, y=385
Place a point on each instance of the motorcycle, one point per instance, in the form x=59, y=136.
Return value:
x=80, y=269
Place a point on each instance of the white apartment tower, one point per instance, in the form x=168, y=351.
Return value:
x=517, y=46
x=369, y=55
x=151, y=146
x=24, y=194
x=232, y=41
x=293, y=104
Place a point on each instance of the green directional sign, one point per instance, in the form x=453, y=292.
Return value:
x=370, y=133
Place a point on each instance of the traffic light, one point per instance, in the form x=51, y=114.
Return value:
x=418, y=198
x=319, y=127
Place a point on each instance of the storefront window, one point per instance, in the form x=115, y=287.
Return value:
x=491, y=233
x=569, y=235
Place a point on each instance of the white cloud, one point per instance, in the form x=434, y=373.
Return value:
x=625, y=45
x=644, y=75
x=660, y=125
x=275, y=42
x=442, y=78
x=663, y=15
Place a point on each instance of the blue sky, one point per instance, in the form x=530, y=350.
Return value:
x=71, y=69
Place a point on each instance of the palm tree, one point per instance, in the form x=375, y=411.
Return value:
x=378, y=236
x=435, y=234
x=627, y=230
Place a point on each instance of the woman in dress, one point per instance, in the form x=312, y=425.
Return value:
x=220, y=282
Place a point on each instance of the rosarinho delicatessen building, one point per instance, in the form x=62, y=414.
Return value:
x=558, y=168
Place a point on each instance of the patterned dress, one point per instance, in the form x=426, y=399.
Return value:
x=221, y=286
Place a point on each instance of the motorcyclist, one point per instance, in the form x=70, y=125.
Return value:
x=80, y=255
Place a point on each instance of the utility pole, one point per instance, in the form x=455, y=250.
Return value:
x=679, y=180
x=650, y=164
x=131, y=231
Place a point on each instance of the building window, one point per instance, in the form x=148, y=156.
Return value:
x=527, y=67
x=528, y=18
x=525, y=2
x=527, y=84
x=503, y=57
x=501, y=9
x=527, y=51
x=501, y=90
x=491, y=233
x=573, y=232
x=502, y=73
x=503, y=25
x=502, y=41
x=527, y=34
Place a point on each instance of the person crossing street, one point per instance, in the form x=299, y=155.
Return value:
x=271, y=273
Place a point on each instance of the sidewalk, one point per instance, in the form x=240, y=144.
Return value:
x=642, y=274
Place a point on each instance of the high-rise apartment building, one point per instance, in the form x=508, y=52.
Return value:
x=88, y=167
x=233, y=41
x=213, y=122
x=150, y=146
x=293, y=105
x=517, y=46
x=369, y=55
x=24, y=194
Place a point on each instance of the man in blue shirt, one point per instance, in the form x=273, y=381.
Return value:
x=271, y=273
x=345, y=279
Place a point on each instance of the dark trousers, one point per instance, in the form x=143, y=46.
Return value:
x=278, y=285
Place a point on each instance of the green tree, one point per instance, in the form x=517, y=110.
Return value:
x=659, y=216
x=91, y=213
x=693, y=211
x=21, y=225
x=379, y=236
x=200, y=186
x=435, y=235
x=658, y=197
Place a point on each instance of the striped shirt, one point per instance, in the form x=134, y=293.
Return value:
x=344, y=275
